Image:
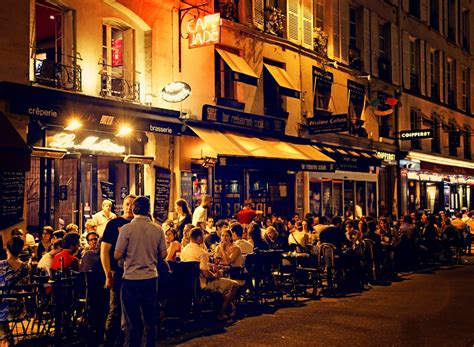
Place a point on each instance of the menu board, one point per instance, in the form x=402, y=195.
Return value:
x=108, y=190
x=162, y=193
x=187, y=187
x=12, y=190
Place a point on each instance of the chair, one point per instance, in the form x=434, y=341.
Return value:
x=369, y=260
x=327, y=264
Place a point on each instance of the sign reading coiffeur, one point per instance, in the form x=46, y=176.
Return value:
x=205, y=30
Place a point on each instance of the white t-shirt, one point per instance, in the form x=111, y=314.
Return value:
x=45, y=262
x=199, y=216
x=245, y=246
x=194, y=252
x=297, y=237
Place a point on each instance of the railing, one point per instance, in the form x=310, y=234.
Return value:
x=113, y=84
x=58, y=74
x=229, y=9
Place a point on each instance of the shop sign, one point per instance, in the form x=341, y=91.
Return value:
x=416, y=134
x=254, y=122
x=447, y=169
x=327, y=124
x=386, y=156
x=204, y=31
x=317, y=167
x=89, y=143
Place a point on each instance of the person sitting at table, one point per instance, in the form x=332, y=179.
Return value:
x=275, y=240
x=298, y=239
x=353, y=235
x=173, y=245
x=209, y=280
x=213, y=238
x=46, y=260
x=256, y=237
x=237, y=235
x=12, y=272
x=44, y=245
x=228, y=253
x=186, y=237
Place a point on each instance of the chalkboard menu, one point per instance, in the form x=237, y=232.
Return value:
x=108, y=190
x=187, y=187
x=12, y=190
x=162, y=193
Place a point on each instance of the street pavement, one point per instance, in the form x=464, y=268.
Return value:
x=430, y=308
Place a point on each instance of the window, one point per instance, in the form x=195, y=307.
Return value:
x=225, y=87
x=415, y=124
x=467, y=144
x=54, y=56
x=465, y=34
x=433, y=62
x=454, y=140
x=452, y=20
x=384, y=49
x=414, y=66
x=451, y=80
x=227, y=9
x=319, y=14
x=436, y=140
x=336, y=30
x=352, y=27
x=414, y=8
x=356, y=98
x=273, y=102
x=465, y=88
x=118, y=67
x=322, y=84
x=434, y=14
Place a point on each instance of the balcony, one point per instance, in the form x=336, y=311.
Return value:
x=229, y=9
x=355, y=58
x=58, y=75
x=274, y=21
x=117, y=86
x=384, y=68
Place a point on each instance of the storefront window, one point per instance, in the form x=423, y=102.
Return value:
x=360, y=207
x=349, y=199
x=327, y=195
x=315, y=196
x=372, y=199
x=337, y=198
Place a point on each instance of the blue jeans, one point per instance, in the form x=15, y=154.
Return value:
x=139, y=310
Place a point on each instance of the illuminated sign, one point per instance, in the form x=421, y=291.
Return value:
x=416, y=134
x=90, y=143
x=386, y=156
x=175, y=92
x=205, y=30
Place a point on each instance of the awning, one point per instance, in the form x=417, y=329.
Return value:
x=284, y=81
x=229, y=146
x=442, y=165
x=349, y=159
x=14, y=152
x=243, y=72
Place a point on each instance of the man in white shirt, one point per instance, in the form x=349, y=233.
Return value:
x=298, y=239
x=209, y=280
x=237, y=231
x=103, y=216
x=200, y=213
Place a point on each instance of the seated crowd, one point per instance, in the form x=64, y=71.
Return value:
x=221, y=248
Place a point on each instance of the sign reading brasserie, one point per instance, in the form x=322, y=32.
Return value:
x=416, y=134
x=327, y=124
x=88, y=143
x=219, y=115
x=205, y=30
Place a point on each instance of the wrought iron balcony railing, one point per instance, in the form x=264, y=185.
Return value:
x=229, y=9
x=58, y=75
x=116, y=85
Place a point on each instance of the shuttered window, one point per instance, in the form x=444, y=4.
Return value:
x=292, y=20
x=307, y=23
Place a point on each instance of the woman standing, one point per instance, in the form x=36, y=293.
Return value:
x=184, y=216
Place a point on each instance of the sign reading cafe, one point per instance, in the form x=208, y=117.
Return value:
x=205, y=30
x=89, y=143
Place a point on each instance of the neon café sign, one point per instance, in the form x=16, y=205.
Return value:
x=90, y=143
x=204, y=31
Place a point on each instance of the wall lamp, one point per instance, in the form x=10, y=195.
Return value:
x=73, y=125
x=124, y=130
x=367, y=77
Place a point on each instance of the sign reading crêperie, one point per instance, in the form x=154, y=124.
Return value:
x=416, y=134
x=205, y=30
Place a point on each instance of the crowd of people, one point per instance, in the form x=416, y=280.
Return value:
x=128, y=253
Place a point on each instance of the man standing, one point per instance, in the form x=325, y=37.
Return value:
x=103, y=216
x=246, y=215
x=113, y=272
x=200, y=213
x=140, y=243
